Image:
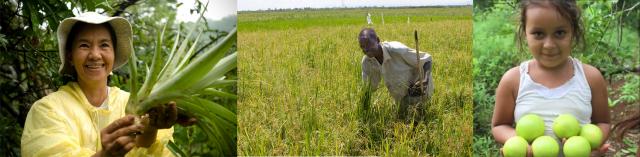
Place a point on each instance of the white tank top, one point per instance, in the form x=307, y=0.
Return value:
x=573, y=97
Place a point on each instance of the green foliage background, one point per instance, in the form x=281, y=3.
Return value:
x=611, y=46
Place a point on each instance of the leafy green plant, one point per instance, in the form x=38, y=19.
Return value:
x=485, y=146
x=494, y=52
x=629, y=91
x=630, y=150
x=187, y=78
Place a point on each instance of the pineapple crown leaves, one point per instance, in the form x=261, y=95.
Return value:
x=202, y=71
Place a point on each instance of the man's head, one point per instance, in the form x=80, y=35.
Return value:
x=369, y=42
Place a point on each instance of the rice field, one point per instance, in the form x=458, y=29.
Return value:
x=300, y=80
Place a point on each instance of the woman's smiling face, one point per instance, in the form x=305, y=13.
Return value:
x=92, y=53
x=548, y=36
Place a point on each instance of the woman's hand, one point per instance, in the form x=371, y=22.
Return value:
x=118, y=137
x=165, y=116
x=162, y=117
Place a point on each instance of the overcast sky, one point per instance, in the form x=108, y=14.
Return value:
x=244, y=5
x=216, y=10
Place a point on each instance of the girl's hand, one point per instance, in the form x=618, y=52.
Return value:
x=118, y=138
x=594, y=152
x=601, y=151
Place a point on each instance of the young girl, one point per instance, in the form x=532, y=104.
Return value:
x=553, y=82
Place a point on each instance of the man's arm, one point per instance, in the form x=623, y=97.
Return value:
x=425, y=62
x=371, y=72
x=427, y=67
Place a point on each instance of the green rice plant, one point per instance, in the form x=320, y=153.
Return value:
x=365, y=99
x=302, y=91
x=188, y=78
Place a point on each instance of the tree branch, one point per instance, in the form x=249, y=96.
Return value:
x=124, y=5
x=10, y=110
x=623, y=71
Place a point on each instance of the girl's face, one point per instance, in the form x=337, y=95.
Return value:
x=548, y=36
x=92, y=53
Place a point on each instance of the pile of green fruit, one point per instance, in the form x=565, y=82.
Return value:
x=530, y=130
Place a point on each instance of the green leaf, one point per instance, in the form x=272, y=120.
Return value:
x=152, y=76
x=219, y=123
x=218, y=93
x=225, y=65
x=133, y=85
x=222, y=83
x=197, y=69
x=175, y=149
x=186, y=58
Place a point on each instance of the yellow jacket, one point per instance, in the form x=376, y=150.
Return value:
x=64, y=123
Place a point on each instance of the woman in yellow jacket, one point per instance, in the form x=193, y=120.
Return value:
x=86, y=117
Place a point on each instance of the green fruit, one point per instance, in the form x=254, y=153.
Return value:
x=530, y=127
x=545, y=146
x=515, y=146
x=593, y=134
x=576, y=146
x=565, y=126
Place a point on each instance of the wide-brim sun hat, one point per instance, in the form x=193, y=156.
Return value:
x=121, y=28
